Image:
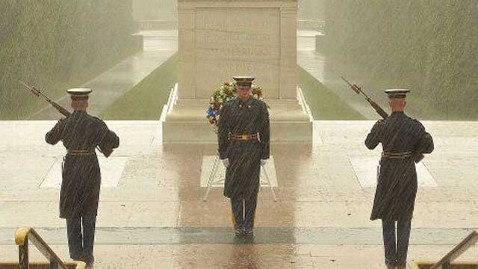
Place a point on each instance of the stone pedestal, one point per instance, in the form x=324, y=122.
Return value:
x=219, y=39
x=187, y=122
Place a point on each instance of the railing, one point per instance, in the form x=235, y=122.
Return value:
x=303, y=103
x=168, y=107
x=22, y=236
x=173, y=97
x=445, y=262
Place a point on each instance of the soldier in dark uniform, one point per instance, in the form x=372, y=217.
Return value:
x=403, y=140
x=243, y=137
x=81, y=178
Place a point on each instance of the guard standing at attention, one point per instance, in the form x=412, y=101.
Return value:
x=81, y=177
x=243, y=137
x=403, y=140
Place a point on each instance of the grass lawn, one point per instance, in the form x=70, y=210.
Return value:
x=323, y=103
x=145, y=100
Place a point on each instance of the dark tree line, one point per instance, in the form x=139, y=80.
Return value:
x=57, y=44
x=429, y=46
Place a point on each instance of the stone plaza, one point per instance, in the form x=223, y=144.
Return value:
x=152, y=214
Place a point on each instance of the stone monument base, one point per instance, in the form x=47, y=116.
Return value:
x=187, y=122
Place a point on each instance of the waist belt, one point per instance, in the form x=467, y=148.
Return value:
x=80, y=152
x=397, y=155
x=243, y=137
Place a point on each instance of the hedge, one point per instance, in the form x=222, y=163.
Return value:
x=429, y=46
x=57, y=44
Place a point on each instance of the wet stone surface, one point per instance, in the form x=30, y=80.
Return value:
x=321, y=219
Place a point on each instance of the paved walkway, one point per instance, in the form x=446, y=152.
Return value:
x=159, y=46
x=153, y=216
x=316, y=65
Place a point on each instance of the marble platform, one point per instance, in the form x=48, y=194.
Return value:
x=154, y=217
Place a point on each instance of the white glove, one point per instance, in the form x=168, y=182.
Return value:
x=263, y=162
x=225, y=162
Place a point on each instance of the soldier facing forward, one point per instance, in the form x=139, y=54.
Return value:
x=403, y=140
x=81, y=178
x=243, y=137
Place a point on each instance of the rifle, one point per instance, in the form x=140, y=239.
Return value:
x=419, y=156
x=38, y=93
x=60, y=109
x=375, y=106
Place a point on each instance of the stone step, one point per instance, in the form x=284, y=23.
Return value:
x=40, y=265
x=195, y=110
x=187, y=122
x=453, y=265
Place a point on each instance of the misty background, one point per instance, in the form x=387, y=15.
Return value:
x=429, y=46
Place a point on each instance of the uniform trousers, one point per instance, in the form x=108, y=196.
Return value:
x=243, y=211
x=81, y=236
x=396, y=247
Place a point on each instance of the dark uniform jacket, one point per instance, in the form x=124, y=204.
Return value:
x=238, y=117
x=397, y=182
x=81, y=178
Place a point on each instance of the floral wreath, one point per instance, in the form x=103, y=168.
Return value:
x=220, y=96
